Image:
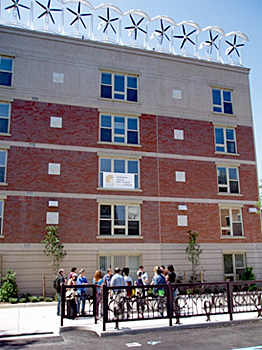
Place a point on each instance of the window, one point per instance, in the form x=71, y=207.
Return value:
x=119, y=87
x=3, y=156
x=222, y=101
x=228, y=181
x=119, y=166
x=225, y=140
x=6, y=70
x=1, y=217
x=231, y=222
x=234, y=266
x=119, y=220
x=4, y=117
x=119, y=129
x=113, y=261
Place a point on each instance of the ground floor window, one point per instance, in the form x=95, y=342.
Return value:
x=234, y=266
x=113, y=261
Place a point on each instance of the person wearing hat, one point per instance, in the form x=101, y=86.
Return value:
x=81, y=292
x=71, y=303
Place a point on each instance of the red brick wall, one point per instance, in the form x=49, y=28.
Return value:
x=27, y=170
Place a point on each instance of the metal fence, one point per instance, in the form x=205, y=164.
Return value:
x=170, y=301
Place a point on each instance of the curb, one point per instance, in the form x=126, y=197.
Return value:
x=18, y=305
x=128, y=330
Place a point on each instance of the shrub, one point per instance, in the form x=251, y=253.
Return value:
x=40, y=299
x=248, y=274
x=13, y=300
x=33, y=299
x=22, y=300
x=48, y=300
x=9, y=287
x=25, y=296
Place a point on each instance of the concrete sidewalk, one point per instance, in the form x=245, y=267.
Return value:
x=40, y=319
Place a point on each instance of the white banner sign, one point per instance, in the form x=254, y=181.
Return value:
x=121, y=181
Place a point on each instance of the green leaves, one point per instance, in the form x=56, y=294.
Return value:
x=54, y=249
x=193, y=251
x=9, y=287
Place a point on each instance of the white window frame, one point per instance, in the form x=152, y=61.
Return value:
x=4, y=165
x=112, y=129
x=113, y=226
x=228, y=180
x=226, y=140
x=8, y=117
x=7, y=71
x=233, y=275
x=112, y=85
x=229, y=228
x=221, y=106
x=126, y=160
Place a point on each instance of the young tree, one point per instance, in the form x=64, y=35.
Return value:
x=54, y=249
x=193, y=251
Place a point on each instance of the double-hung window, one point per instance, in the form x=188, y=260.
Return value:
x=119, y=220
x=225, y=140
x=118, y=86
x=6, y=71
x=119, y=166
x=231, y=222
x=3, y=159
x=5, y=117
x=234, y=266
x=119, y=129
x=228, y=180
x=222, y=101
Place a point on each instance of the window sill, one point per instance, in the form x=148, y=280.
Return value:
x=117, y=144
x=230, y=194
x=6, y=87
x=223, y=114
x=119, y=237
x=117, y=189
x=228, y=154
x=233, y=237
x=121, y=101
x=2, y=236
x=3, y=184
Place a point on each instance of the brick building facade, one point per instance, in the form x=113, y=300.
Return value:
x=73, y=111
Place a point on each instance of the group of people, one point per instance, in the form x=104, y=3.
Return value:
x=76, y=299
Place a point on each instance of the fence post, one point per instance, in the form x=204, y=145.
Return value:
x=105, y=306
x=95, y=306
x=229, y=299
x=62, y=306
x=170, y=302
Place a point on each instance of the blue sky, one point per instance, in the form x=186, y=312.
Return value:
x=230, y=15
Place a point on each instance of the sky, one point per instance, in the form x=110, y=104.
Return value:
x=230, y=15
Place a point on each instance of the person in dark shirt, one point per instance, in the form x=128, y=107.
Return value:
x=171, y=276
x=58, y=291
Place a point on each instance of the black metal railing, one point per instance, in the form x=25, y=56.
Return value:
x=170, y=301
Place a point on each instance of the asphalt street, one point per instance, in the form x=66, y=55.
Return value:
x=237, y=336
